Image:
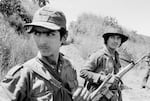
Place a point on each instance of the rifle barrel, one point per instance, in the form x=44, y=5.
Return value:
x=120, y=75
x=128, y=67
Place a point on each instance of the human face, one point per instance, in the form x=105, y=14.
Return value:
x=114, y=42
x=48, y=41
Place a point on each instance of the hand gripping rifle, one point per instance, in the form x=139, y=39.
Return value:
x=103, y=89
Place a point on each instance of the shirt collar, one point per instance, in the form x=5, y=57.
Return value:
x=51, y=62
x=106, y=51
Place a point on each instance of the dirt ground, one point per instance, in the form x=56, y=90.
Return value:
x=133, y=81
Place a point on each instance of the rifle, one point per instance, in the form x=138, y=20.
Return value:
x=103, y=89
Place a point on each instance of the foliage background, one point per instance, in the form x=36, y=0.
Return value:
x=85, y=37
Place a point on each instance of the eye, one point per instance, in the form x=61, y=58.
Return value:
x=51, y=33
x=37, y=33
x=112, y=37
x=119, y=38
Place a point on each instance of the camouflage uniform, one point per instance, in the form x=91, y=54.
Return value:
x=32, y=81
x=103, y=63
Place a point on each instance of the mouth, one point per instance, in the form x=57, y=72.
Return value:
x=115, y=44
x=43, y=48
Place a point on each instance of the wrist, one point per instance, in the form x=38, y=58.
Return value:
x=102, y=77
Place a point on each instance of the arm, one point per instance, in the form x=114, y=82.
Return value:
x=88, y=71
x=14, y=84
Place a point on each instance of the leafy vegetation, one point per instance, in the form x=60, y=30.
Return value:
x=15, y=44
x=18, y=12
x=85, y=34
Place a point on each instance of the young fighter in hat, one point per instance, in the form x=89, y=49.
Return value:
x=49, y=76
x=104, y=62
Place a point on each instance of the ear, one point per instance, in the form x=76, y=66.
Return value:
x=64, y=38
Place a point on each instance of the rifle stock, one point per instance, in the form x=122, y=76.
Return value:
x=119, y=75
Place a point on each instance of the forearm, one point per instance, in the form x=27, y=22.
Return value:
x=91, y=76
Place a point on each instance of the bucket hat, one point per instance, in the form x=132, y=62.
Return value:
x=110, y=31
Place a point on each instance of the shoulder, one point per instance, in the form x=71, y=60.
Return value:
x=21, y=68
x=67, y=61
x=14, y=70
x=98, y=54
x=31, y=63
x=68, y=64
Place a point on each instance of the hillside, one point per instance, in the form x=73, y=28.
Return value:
x=85, y=37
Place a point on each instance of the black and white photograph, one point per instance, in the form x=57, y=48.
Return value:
x=74, y=50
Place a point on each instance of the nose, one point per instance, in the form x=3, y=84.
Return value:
x=42, y=39
x=117, y=40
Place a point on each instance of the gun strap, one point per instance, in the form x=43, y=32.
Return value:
x=55, y=79
x=52, y=72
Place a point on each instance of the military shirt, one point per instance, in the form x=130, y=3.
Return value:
x=103, y=63
x=32, y=81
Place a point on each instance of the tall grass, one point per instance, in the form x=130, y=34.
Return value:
x=14, y=48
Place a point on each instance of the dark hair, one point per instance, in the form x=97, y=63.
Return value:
x=106, y=39
x=63, y=32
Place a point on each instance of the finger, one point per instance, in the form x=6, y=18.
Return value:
x=78, y=99
x=83, y=76
x=83, y=92
x=82, y=72
x=86, y=96
x=77, y=93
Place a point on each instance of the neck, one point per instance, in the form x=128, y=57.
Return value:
x=112, y=51
x=52, y=59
